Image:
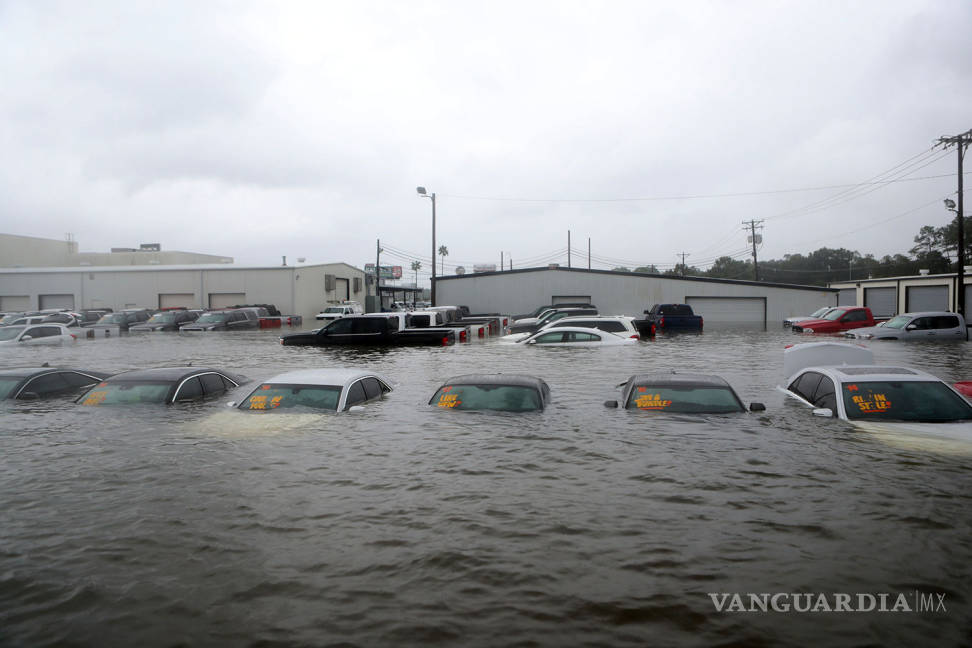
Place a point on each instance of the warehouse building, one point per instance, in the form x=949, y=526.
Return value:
x=294, y=290
x=732, y=302
x=31, y=252
x=892, y=295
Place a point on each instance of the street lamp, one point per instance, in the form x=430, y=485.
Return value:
x=422, y=193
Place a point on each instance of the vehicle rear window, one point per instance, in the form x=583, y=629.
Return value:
x=691, y=400
x=421, y=321
x=121, y=393
x=273, y=396
x=904, y=400
x=504, y=398
x=678, y=310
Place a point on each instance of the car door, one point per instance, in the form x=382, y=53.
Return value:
x=189, y=390
x=43, y=335
x=50, y=384
x=947, y=326
x=356, y=395
x=825, y=395
x=337, y=332
x=919, y=328
x=212, y=384
x=854, y=319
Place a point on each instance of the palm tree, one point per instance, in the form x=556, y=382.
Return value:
x=416, y=266
x=443, y=252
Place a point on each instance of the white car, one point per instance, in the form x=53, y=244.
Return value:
x=336, y=390
x=933, y=326
x=575, y=336
x=622, y=325
x=840, y=380
x=332, y=313
x=817, y=314
x=35, y=334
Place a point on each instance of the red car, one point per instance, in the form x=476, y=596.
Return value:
x=838, y=320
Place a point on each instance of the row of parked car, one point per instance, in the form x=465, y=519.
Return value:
x=858, y=322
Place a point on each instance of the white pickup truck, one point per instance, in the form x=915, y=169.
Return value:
x=331, y=313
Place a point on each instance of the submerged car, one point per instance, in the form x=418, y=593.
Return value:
x=817, y=314
x=680, y=393
x=124, y=319
x=31, y=383
x=336, y=390
x=575, y=336
x=166, y=321
x=858, y=391
x=238, y=319
x=35, y=335
x=499, y=392
x=162, y=385
x=932, y=326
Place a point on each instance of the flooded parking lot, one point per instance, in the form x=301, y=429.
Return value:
x=406, y=525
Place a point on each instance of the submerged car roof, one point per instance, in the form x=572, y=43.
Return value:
x=865, y=373
x=522, y=380
x=171, y=374
x=324, y=376
x=23, y=372
x=683, y=379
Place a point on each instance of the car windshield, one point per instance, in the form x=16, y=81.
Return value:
x=898, y=322
x=272, y=396
x=697, y=399
x=10, y=332
x=7, y=384
x=127, y=392
x=834, y=314
x=212, y=317
x=161, y=318
x=334, y=309
x=904, y=400
x=6, y=319
x=504, y=398
x=112, y=318
x=820, y=311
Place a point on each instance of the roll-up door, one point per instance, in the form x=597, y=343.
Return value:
x=883, y=302
x=926, y=298
x=226, y=300
x=342, y=289
x=847, y=297
x=179, y=300
x=14, y=303
x=55, y=301
x=968, y=302
x=738, y=311
x=570, y=299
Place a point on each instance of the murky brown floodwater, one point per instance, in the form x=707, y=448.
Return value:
x=401, y=525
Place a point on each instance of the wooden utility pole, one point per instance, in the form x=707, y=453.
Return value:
x=755, y=238
x=961, y=143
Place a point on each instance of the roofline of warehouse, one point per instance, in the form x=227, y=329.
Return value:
x=738, y=282
x=157, y=267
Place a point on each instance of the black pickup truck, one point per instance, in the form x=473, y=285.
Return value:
x=669, y=317
x=384, y=329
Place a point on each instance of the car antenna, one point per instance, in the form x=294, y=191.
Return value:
x=46, y=364
x=189, y=364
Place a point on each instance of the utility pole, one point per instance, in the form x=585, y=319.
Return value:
x=501, y=262
x=588, y=252
x=755, y=238
x=377, y=272
x=568, y=248
x=961, y=143
x=683, y=255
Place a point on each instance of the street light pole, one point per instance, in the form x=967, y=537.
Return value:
x=421, y=191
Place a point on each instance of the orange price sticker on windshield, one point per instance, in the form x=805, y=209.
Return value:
x=880, y=403
x=265, y=387
x=852, y=388
x=448, y=400
x=258, y=402
x=652, y=402
x=275, y=401
x=94, y=398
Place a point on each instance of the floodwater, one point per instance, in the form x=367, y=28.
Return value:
x=404, y=525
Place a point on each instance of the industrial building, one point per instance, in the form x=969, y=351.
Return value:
x=719, y=301
x=295, y=290
x=32, y=252
x=892, y=295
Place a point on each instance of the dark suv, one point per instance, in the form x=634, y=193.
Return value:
x=224, y=320
x=124, y=319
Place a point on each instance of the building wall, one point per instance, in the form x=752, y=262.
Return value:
x=617, y=293
x=29, y=251
x=165, y=257
x=294, y=290
x=902, y=283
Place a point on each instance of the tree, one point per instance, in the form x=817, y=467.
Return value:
x=443, y=252
x=621, y=269
x=726, y=267
x=648, y=269
x=416, y=266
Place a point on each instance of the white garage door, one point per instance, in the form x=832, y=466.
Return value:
x=570, y=299
x=55, y=301
x=176, y=300
x=342, y=289
x=926, y=298
x=225, y=300
x=883, y=302
x=14, y=304
x=736, y=311
x=847, y=297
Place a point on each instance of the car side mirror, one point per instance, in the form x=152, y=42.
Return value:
x=355, y=408
x=232, y=404
x=26, y=338
x=823, y=412
x=911, y=327
x=611, y=403
x=532, y=342
x=757, y=407
x=29, y=396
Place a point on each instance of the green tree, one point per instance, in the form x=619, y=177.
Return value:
x=728, y=268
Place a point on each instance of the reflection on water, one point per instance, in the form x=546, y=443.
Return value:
x=408, y=525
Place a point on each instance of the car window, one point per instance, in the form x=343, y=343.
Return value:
x=904, y=400
x=356, y=394
x=806, y=385
x=126, y=392
x=273, y=396
x=825, y=396
x=340, y=326
x=190, y=390
x=506, y=398
x=76, y=380
x=922, y=323
x=548, y=338
x=684, y=399
x=372, y=388
x=368, y=324
x=227, y=383
x=10, y=332
x=578, y=336
x=855, y=316
x=946, y=322
x=680, y=310
x=47, y=384
x=212, y=384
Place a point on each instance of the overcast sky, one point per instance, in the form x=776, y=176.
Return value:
x=257, y=130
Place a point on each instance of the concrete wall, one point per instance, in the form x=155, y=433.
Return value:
x=30, y=251
x=521, y=291
x=902, y=283
x=294, y=290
